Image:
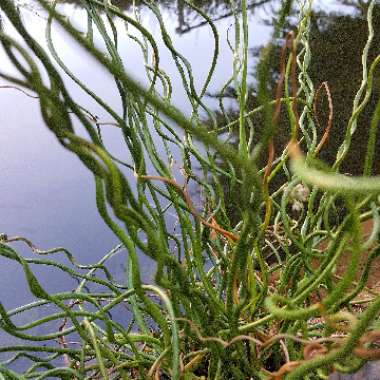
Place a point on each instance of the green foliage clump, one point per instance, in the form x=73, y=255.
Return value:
x=255, y=296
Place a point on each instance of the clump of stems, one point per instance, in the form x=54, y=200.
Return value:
x=220, y=306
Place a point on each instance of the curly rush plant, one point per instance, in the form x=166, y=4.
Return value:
x=255, y=300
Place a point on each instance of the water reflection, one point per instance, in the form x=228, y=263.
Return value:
x=337, y=61
x=57, y=192
x=47, y=195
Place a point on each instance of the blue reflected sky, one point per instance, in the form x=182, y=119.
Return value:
x=46, y=194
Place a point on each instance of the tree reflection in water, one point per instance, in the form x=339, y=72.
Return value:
x=336, y=60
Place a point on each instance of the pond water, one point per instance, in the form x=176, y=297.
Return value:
x=46, y=193
x=48, y=196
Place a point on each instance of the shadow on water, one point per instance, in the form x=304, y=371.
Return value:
x=336, y=60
